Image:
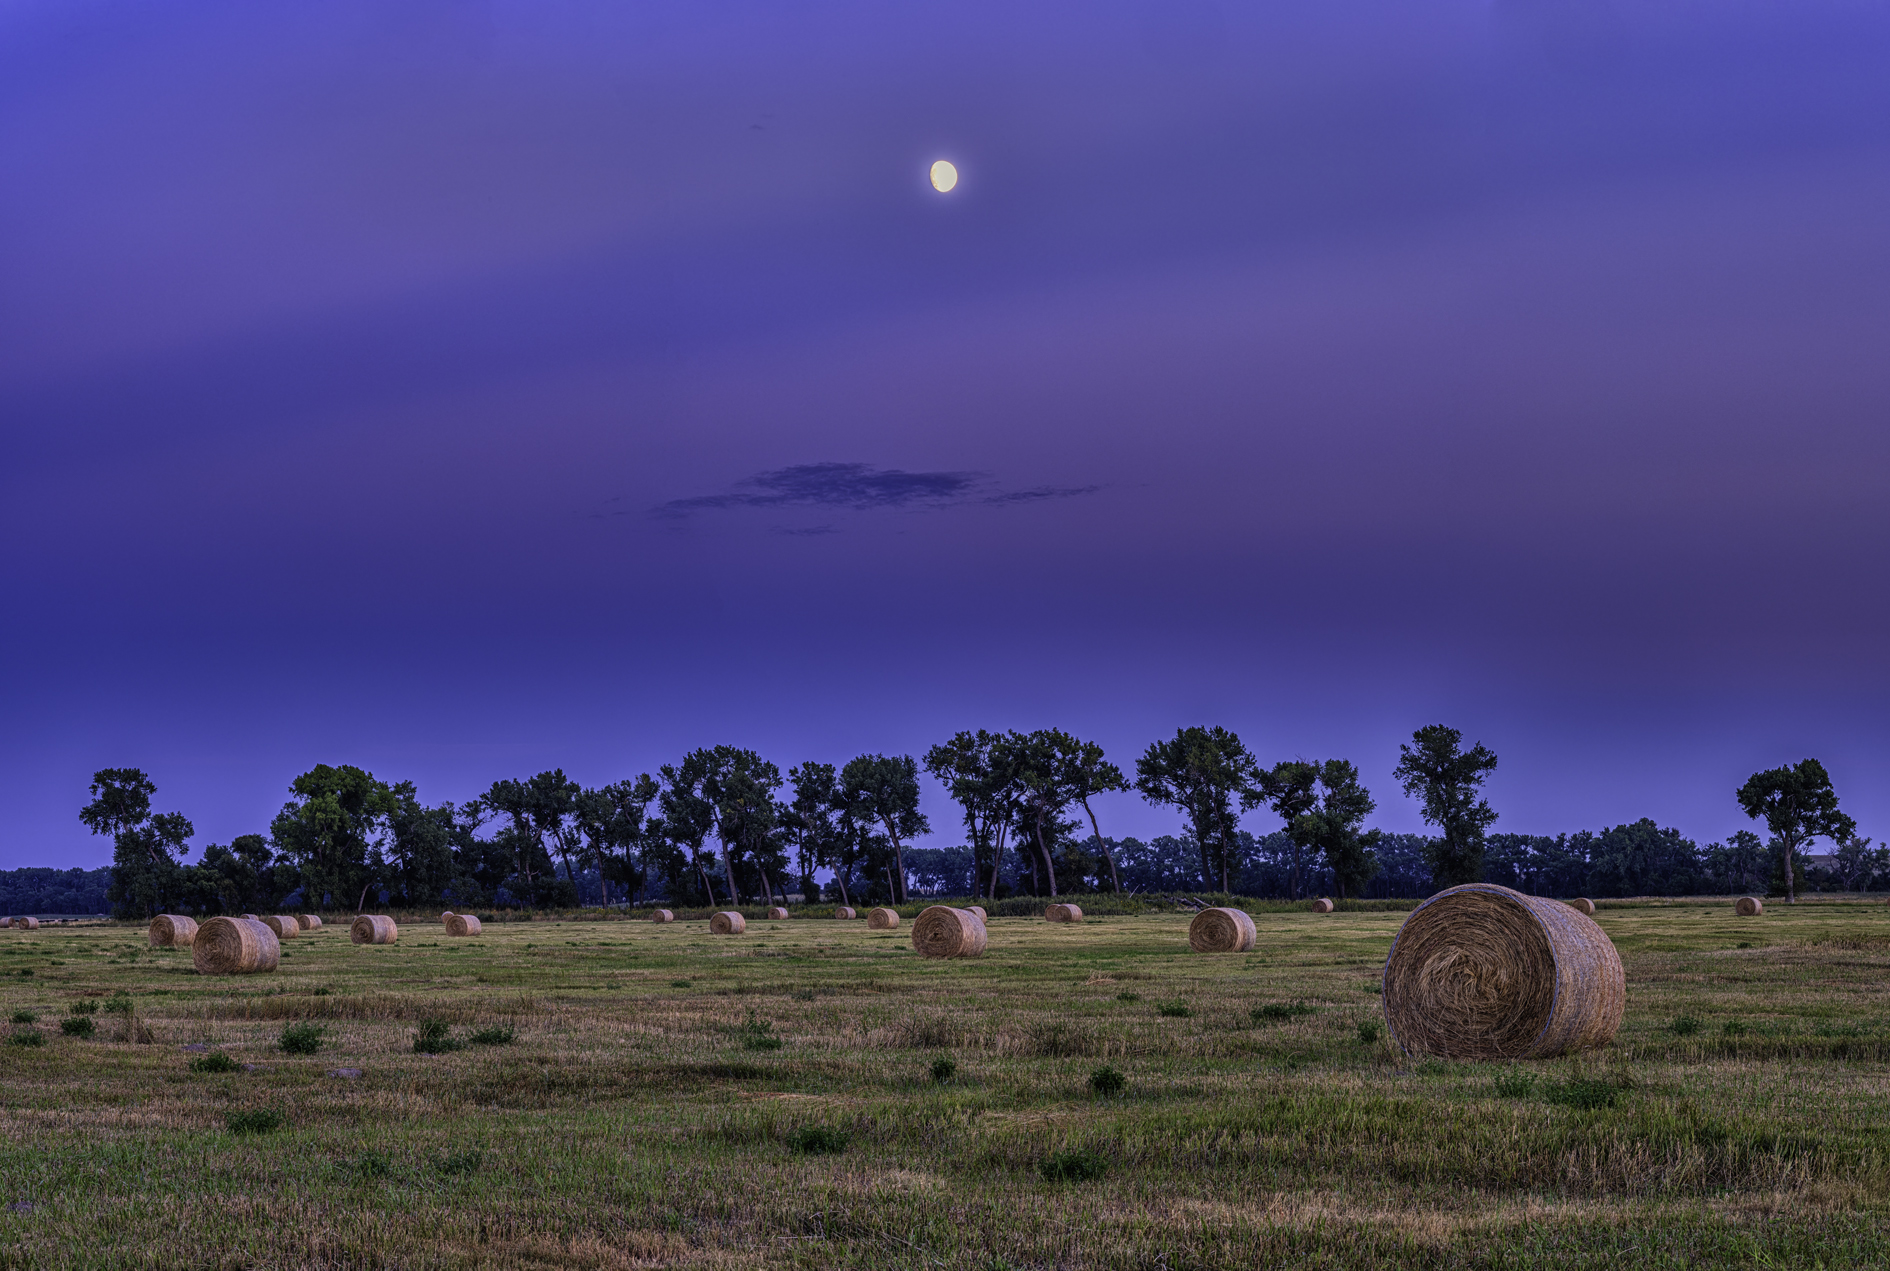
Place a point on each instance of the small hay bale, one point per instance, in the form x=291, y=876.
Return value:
x=777, y=913
x=310, y=922
x=979, y=910
x=845, y=912
x=1583, y=905
x=373, y=929
x=727, y=923
x=446, y=917
x=1322, y=906
x=284, y=925
x=943, y=932
x=663, y=915
x=6, y=922
x=1222, y=931
x=462, y=925
x=26, y=924
x=1750, y=907
x=172, y=931
x=235, y=946
x=882, y=919
x=1483, y=972
x=251, y=918
x=1063, y=913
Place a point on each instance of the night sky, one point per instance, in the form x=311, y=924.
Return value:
x=462, y=389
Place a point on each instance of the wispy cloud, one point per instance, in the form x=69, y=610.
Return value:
x=862, y=487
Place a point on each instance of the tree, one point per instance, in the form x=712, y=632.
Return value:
x=1086, y=774
x=1855, y=863
x=329, y=828
x=688, y=805
x=811, y=821
x=1291, y=790
x=418, y=855
x=245, y=877
x=1207, y=773
x=884, y=789
x=542, y=805
x=615, y=822
x=1798, y=805
x=1332, y=825
x=1435, y=768
x=147, y=850
x=976, y=770
x=1040, y=795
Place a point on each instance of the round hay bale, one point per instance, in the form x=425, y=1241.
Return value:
x=6, y=922
x=26, y=924
x=1063, y=913
x=845, y=912
x=663, y=915
x=251, y=918
x=462, y=925
x=284, y=925
x=1483, y=972
x=777, y=913
x=172, y=931
x=882, y=919
x=373, y=929
x=1750, y=907
x=446, y=917
x=1222, y=931
x=727, y=923
x=1322, y=906
x=235, y=946
x=979, y=910
x=310, y=922
x=1583, y=905
x=943, y=932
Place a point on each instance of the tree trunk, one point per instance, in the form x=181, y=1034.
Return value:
x=1791, y=890
x=840, y=877
x=899, y=857
x=1049, y=868
x=1115, y=883
x=363, y=900
x=703, y=874
x=728, y=864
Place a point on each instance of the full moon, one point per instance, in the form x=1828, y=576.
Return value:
x=944, y=176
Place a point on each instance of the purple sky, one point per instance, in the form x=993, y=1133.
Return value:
x=461, y=389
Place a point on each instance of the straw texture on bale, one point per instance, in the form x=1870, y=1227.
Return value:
x=1483, y=972
x=6, y=922
x=26, y=924
x=1582, y=905
x=446, y=917
x=845, y=911
x=284, y=925
x=979, y=910
x=727, y=923
x=251, y=918
x=1222, y=931
x=1063, y=913
x=943, y=932
x=882, y=919
x=235, y=946
x=1322, y=906
x=1750, y=907
x=777, y=912
x=172, y=931
x=462, y=925
x=663, y=915
x=310, y=922
x=373, y=929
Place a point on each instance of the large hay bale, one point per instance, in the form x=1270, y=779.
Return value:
x=979, y=910
x=1063, y=913
x=462, y=925
x=1483, y=972
x=727, y=923
x=1222, y=931
x=172, y=931
x=663, y=915
x=943, y=932
x=777, y=913
x=235, y=946
x=882, y=919
x=845, y=912
x=26, y=924
x=284, y=925
x=310, y=922
x=373, y=929
x=1750, y=907
x=1322, y=906
x=1582, y=905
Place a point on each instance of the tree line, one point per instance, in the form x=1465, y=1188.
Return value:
x=724, y=824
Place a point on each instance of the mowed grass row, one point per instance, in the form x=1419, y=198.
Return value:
x=814, y=1094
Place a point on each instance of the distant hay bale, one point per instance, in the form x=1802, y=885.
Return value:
x=943, y=932
x=1322, y=906
x=1750, y=906
x=1063, y=913
x=172, y=931
x=979, y=910
x=235, y=946
x=373, y=929
x=284, y=925
x=727, y=923
x=1582, y=905
x=844, y=912
x=1483, y=972
x=6, y=922
x=882, y=919
x=26, y=924
x=462, y=925
x=663, y=915
x=1222, y=931
x=310, y=922
x=446, y=917
x=777, y=913
x=251, y=918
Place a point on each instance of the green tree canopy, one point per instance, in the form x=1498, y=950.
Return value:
x=147, y=850
x=1208, y=773
x=331, y=829
x=1434, y=768
x=1797, y=804
x=883, y=790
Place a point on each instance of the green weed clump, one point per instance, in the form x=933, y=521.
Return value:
x=1585, y=1093
x=1175, y=1010
x=494, y=1035
x=758, y=1034
x=27, y=1037
x=254, y=1121
x=77, y=1026
x=301, y=1039
x=84, y=1006
x=434, y=1038
x=944, y=1068
x=1515, y=1083
x=1370, y=1030
x=1732, y=1028
x=118, y=1004
x=1274, y=1012
x=215, y=1061
x=1078, y=1165
x=1128, y=997
x=818, y=1140
x=1685, y=1026
x=1107, y=1083
x=25, y=1017
x=456, y=1163
x=367, y=1168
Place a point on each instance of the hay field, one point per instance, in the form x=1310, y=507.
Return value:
x=669, y=1098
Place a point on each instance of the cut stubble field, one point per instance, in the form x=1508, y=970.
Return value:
x=671, y=1098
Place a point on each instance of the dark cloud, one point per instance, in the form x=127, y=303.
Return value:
x=862, y=487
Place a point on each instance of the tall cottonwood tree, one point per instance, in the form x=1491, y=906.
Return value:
x=147, y=849
x=1435, y=769
x=1333, y=826
x=331, y=827
x=884, y=790
x=1212, y=777
x=1797, y=804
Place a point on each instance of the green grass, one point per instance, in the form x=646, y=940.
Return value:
x=628, y=1119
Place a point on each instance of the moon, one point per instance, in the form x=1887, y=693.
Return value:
x=944, y=176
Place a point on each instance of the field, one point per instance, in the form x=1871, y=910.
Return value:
x=778, y=1099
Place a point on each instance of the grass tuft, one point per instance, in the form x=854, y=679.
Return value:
x=1684, y=1026
x=215, y=1061
x=27, y=1037
x=1515, y=1082
x=254, y=1121
x=25, y=1017
x=1078, y=1165
x=1274, y=1012
x=78, y=1026
x=944, y=1068
x=493, y=1035
x=1107, y=1083
x=456, y=1163
x=301, y=1039
x=1370, y=1030
x=818, y=1140
x=434, y=1038
x=1175, y=1010
x=84, y=1006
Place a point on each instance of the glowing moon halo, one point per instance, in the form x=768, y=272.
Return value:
x=944, y=176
